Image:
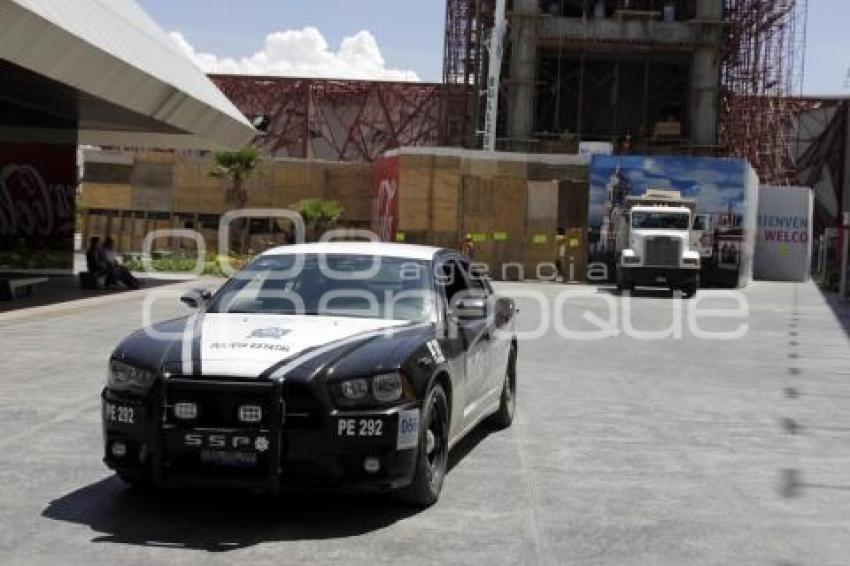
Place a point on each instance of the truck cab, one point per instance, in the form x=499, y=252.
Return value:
x=654, y=243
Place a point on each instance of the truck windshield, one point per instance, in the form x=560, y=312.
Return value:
x=660, y=221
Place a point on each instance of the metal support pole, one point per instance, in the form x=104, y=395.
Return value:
x=494, y=76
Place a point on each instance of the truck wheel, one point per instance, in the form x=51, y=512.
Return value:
x=691, y=290
x=433, y=450
x=504, y=417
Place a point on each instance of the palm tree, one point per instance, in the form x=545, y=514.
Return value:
x=319, y=215
x=237, y=167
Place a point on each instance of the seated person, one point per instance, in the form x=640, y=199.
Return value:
x=97, y=266
x=116, y=271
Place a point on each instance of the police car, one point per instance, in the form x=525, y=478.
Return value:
x=329, y=366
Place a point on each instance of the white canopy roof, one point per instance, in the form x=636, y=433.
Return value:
x=133, y=85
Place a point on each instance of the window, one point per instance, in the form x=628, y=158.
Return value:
x=331, y=285
x=660, y=221
x=452, y=279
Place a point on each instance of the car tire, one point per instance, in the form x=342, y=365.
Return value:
x=433, y=457
x=504, y=417
x=137, y=481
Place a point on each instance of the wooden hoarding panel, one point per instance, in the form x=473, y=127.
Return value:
x=106, y=197
x=541, y=228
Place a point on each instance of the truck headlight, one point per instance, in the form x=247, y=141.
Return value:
x=130, y=379
x=631, y=259
x=691, y=261
x=380, y=390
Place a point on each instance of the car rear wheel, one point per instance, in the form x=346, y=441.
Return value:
x=504, y=417
x=433, y=458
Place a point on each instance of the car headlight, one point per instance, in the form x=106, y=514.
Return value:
x=387, y=388
x=383, y=389
x=130, y=379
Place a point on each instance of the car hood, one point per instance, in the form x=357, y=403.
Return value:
x=248, y=345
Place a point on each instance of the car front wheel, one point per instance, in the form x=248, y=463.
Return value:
x=433, y=458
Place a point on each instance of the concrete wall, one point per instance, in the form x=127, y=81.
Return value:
x=127, y=195
x=509, y=203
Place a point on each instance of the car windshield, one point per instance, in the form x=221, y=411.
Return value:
x=660, y=221
x=359, y=286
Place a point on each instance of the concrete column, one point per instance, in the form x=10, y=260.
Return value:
x=522, y=89
x=705, y=73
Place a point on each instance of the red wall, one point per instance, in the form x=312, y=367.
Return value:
x=37, y=189
x=385, y=198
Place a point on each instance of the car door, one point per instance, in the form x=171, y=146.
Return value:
x=500, y=333
x=468, y=337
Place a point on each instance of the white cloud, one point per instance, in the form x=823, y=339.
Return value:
x=303, y=53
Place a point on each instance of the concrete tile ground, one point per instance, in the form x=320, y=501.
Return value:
x=625, y=452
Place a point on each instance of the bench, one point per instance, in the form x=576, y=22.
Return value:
x=89, y=282
x=9, y=287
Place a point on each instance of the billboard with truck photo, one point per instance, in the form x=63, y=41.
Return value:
x=726, y=194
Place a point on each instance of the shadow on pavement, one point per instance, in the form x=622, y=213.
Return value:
x=65, y=289
x=639, y=292
x=841, y=310
x=218, y=521
x=468, y=443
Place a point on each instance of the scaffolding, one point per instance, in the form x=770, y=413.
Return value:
x=468, y=26
x=571, y=71
x=763, y=66
x=339, y=120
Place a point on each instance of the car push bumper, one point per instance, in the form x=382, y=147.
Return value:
x=193, y=433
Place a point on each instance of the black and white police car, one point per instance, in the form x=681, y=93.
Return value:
x=319, y=366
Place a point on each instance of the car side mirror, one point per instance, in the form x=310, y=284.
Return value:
x=196, y=298
x=471, y=308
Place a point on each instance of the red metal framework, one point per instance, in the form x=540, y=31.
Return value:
x=820, y=148
x=762, y=67
x=340, y=120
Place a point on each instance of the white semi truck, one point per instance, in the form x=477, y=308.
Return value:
x=654, y=243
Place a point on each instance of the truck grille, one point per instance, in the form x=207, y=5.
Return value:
x=663, y=252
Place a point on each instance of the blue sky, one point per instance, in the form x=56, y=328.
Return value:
x=409, y=33
x=828, y=53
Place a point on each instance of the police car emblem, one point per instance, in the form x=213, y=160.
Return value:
x=261, y=444
x=270, y=333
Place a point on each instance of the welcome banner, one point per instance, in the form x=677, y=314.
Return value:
x=784, y=241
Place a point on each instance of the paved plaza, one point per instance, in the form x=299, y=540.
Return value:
x=624, y=452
